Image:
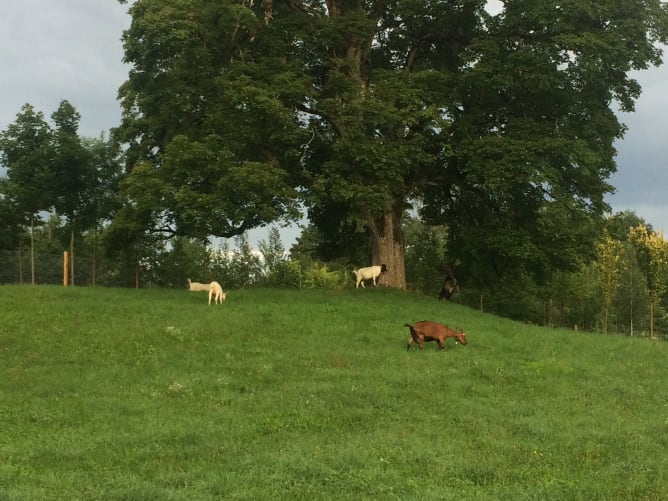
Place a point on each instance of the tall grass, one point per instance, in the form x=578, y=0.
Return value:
x=311, y=394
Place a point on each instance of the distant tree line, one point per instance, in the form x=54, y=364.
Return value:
x=56, y=179
x=422, y=135
x=499, y=126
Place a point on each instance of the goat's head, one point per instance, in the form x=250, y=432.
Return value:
x=383, y=268
x=461, y=337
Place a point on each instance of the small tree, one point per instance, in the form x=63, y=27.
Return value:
x=73, y=171
x=278, y=270
x=631, y=304
x=184, y=258
x=425, y=256
x=100, y=201
x=609, y=266
x=652, y=254
x=25, y=149
x=235, y=269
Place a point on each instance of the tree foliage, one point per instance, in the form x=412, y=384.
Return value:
x=277, y=269
x=652, y=255
x=26, y=153
x=51, y=171
x=502, y=124
x=609, y=260
x=207, y=147
x=533, y=134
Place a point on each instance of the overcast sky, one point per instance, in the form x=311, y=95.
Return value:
x=70, y=49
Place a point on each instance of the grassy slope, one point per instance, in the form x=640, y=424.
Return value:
x=150, y=394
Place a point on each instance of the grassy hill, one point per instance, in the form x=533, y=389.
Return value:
x=311, y=394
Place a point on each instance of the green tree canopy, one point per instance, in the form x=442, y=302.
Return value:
x=26, y=153
x=501, y=124
x=208, y=145
x=533, y=133
x=71, y=166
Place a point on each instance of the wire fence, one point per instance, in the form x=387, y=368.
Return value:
x=16, y=267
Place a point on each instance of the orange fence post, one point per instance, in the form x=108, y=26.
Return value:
x=66, y=262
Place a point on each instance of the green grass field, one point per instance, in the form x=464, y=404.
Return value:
x=116, y=394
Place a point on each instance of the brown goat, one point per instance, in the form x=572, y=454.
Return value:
x=432, y=331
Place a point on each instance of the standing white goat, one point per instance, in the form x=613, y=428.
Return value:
x=216, y=292
x=369, y=273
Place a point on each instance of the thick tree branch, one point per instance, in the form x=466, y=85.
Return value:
x=297, y=5
x=305, y=109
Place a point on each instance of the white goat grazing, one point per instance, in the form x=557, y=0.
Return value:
x=197, y=286
x=369, y=273
x=216, y=292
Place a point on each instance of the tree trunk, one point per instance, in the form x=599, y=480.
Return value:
x=388, y=248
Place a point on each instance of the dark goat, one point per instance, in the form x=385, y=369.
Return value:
x=432, y=331
x=449, y=285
